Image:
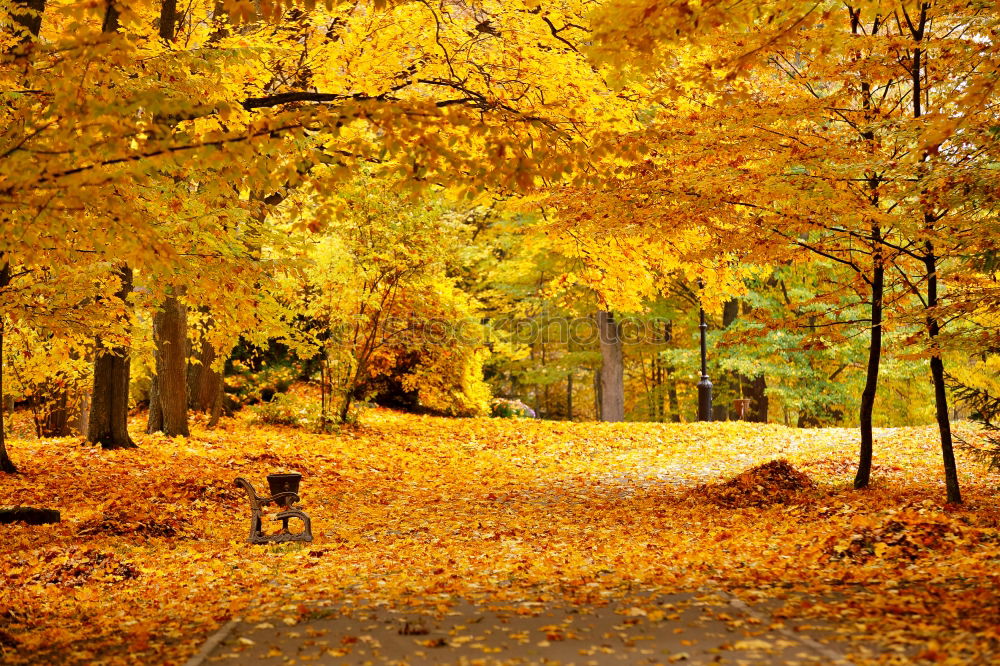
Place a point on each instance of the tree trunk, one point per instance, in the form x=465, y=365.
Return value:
x=83, y=412
x=675, y=404
x=109, y=402
x=757, y=393
x=345, y=408
x=55, y=419
x=753, y=388
x=612, y=368
x=730, y=312
x=111, y=18
x=205, y=384
x=597, y=394
x=937, y=375
x=569, y=397
x=168, y=19
x=863, y=477
x=170, y=336
x=154, y=420
x=952, y=487
x=107, y=420
x=32, y=24
x=6, y=464
x=216, y=412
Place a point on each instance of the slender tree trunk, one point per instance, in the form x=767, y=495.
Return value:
x=937, y=375
x=545, y=387
x=6, y=464
x=195, y=367
x=952, y=487
x=170, y=336
x=345, y=407
x=672, y=400
x=569, y=396
x=657, y=386
x=217, y=406
x=154, y=420
x=597, y=394
x=109, y=402
x=863, y=477
x=649, y=385
x=83, y=412
x=32, y=25
x=612, y=368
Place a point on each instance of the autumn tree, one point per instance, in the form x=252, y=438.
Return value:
x=375, y=295
x=827, y=147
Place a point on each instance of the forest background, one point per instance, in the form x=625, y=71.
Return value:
x=432, y=205
x=290, y=212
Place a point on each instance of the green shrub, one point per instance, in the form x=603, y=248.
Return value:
x=510, y=409
x=286, y=409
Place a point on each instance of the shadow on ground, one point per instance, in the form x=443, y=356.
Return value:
x=679, y=628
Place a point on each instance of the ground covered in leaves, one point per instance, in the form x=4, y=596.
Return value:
x=151, y=556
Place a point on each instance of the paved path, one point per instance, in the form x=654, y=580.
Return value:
x=682, y=628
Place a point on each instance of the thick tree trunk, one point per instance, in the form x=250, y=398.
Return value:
x=168, y=19
x=170, y=384
x=863, y=477
x=6, y=464
x=758, y=399
x=31, y=23
x=205, y=384
x=612, y=368
x=937, y=375
x=109, y=402
x=55, y=419
x=111, y=18
x=730, y=312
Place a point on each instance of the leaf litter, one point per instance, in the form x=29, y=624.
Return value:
x=410, y=511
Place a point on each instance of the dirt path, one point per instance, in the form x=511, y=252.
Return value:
x=680, y=628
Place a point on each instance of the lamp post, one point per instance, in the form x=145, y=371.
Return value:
x=705, y=385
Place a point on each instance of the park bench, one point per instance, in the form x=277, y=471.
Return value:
x=283, y=493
